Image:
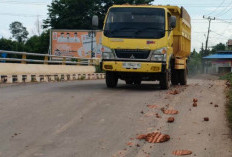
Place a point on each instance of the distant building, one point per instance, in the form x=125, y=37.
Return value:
x=218, y=63
x=229, y=43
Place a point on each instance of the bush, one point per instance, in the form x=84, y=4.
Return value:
x=229, y=97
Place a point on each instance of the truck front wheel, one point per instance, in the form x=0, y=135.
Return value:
x=111, y=79
x=165, y=80
x=129, y=82
x=137, y=82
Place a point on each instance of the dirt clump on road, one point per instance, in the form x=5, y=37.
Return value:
x=155, y=137
x=194, y=104
x=174, y=92
x=157, y=115
x=206, y=119
x=170, y=111
x=181, y=152
x=171, y=119
x=152, y=106
x=130, y=144
x=195, y=100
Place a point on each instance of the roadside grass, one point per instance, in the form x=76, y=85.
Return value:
x=98, y=69
x=228, y=77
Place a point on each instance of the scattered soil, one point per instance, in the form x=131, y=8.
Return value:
x=181, y=152
x=130, y=144
x=195, y=100
x=194, y=104
x=206, y=119
x=152, y=106
x=174, y=92
x=170, y=112
x=155, y=137
x=171, y=119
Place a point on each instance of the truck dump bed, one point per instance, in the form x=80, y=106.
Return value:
x=182, y=32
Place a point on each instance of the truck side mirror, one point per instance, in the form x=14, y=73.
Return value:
x=95, y=21
x=173, y=22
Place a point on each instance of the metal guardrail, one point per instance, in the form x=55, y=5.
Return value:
x=63, y=59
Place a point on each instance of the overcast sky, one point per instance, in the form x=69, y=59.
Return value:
x=28, y=11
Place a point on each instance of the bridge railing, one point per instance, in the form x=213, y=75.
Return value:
x=47, y=59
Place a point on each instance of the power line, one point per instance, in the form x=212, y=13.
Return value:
x=21, y=15
x=217, y=7
x=19, y=3
x=222, y=36
x=223, y=12
x=32, y=3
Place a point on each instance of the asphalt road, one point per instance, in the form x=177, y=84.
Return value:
x=85, y=119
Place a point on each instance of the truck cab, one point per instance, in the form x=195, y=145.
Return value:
x=145, y=43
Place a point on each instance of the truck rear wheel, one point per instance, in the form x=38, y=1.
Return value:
x=111, y=79
x=165, y=81
x=174, y=77
x=137, y=82
x=129, y=82
x=183, y=77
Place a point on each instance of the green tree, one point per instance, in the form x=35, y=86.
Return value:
x=18, y=32
x=38, y=44
x=195, y=63
x=218, y=47
x=77, y=14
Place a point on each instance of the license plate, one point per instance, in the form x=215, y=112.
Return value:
x=129, y=65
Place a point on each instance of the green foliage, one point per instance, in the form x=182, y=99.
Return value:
x=229, y=97
x=77, y=14
x=226, y=77
x=38, y=44
x=195, y=63
x=98, y=69
x=10, y=45
x=229, y=107
x=19, y=32
x=35, y=44
x=218, y=47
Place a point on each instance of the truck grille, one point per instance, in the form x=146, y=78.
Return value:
x=132, y=54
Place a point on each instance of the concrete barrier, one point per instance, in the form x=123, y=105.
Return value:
x=37, y=69
x=18, y=73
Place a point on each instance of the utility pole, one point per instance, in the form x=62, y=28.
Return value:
x=207, y=38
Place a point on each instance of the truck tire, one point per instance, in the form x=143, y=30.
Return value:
x=174, y=77
x=137, y=82
x=129, y=82
x=183, y=77
x=111, y=79
x=165, y=81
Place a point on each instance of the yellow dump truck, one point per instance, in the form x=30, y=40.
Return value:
x=146, y=43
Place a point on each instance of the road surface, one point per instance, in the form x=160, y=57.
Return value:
x=85, y=119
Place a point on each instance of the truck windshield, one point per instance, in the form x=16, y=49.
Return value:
x=146, y=23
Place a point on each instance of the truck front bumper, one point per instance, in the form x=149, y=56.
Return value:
x=145, y=67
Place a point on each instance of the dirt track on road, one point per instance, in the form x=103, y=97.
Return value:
x=85, y=119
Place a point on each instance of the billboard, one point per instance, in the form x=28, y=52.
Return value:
x=76, y=43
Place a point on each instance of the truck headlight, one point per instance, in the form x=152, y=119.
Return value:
x=159, y=55
x=107, y=53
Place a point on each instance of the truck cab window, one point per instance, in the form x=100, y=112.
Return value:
x=148, y=23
